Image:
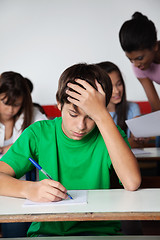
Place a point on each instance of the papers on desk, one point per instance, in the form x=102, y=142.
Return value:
x=137, y=151
x=79, y=197
x=145, y=126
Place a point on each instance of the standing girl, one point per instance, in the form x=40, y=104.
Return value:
x=138, y=39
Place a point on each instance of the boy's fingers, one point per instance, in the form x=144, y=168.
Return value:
x=54, y=190
x=74, y=101
x=86, y=85
x=73, y=94
x=76, y=87
x=57, y=185
x=56, y=193
x=99, y=87
x=50, y=198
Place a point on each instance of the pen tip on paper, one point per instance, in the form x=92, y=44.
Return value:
x=69, y=196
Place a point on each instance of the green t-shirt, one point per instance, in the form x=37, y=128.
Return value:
x=77, y=164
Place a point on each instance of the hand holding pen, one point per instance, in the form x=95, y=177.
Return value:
x=57, y=186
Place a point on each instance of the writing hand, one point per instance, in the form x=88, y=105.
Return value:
x=46, y=191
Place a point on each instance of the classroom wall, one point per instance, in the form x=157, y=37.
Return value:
x=40, y=38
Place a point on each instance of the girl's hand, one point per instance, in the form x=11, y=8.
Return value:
x=90, y=100
x=141, y=141
x=46, y=191
x=138, y=142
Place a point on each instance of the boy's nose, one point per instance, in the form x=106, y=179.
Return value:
x=82, y=124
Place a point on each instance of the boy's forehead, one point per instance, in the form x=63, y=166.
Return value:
x=71, y=106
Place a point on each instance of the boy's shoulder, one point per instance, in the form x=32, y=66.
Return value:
x=45, y=125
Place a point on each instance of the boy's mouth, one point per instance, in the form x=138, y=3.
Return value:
x=78, y=134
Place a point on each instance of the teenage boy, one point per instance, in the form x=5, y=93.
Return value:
x=78, y=150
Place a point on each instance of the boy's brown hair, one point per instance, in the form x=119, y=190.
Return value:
x=87, y=72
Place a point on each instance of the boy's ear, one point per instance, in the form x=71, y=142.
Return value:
x=59, y=105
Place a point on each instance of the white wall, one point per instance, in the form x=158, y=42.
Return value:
x=40, y=38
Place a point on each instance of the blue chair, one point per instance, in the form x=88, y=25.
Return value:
x=31, y=175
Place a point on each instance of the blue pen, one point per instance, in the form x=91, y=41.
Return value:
x=44, y=172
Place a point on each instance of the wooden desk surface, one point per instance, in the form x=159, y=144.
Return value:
x=151, y=154
x=92, y=238
x=112, y=204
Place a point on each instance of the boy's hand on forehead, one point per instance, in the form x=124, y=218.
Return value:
x=90, y=100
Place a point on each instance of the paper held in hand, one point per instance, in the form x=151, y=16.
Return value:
x=145, y=126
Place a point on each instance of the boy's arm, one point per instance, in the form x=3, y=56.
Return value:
x=42, y=191
x=123, y=160
x=92, y=102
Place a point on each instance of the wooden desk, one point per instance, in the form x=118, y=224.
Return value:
x=150, y=159
x=92, y=238
x=112, y=204
x=151, y=154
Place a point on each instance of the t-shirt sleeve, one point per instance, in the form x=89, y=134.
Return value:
x=24, y=147
x=138, y=73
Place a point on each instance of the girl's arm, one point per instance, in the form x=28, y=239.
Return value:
x=138, y=142
x=151, y=93
x=92, y=102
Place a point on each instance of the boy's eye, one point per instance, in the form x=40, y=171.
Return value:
x=73, y=115
x=90, y=118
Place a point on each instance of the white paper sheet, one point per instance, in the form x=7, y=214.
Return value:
x=137, y=151
x=79, y=197
x=145, y=126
